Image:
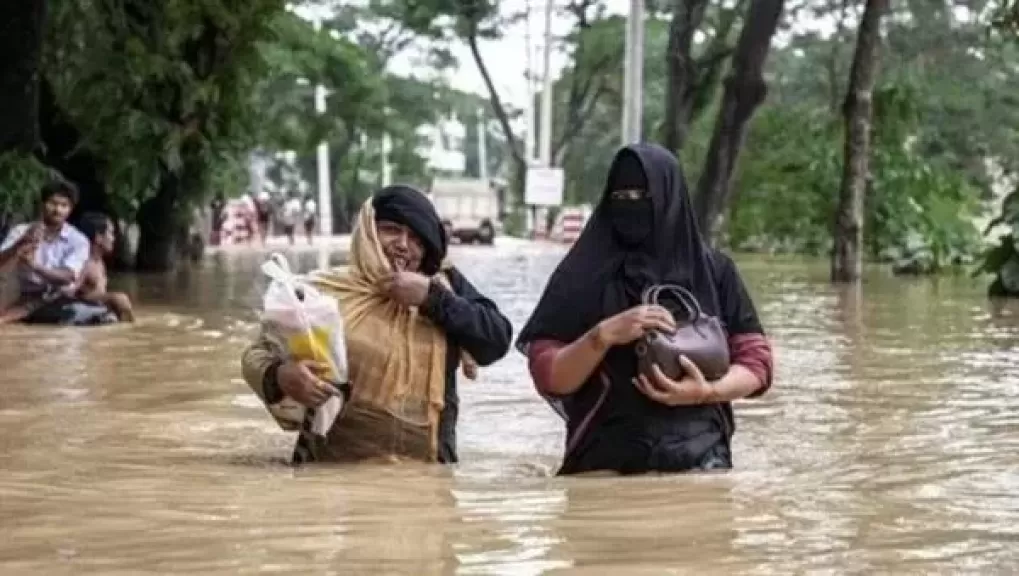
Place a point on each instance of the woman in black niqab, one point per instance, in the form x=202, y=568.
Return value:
x=628, y=244
x=643, y=232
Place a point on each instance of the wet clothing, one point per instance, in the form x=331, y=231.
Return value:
x=71, y=312
x=68, y=249
x=750, y=350
x=643, y=232
x=381, y=334
x=472, y=322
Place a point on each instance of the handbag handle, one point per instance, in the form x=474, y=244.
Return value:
x=684, y=296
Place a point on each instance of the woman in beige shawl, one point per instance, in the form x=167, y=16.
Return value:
x=410, y=318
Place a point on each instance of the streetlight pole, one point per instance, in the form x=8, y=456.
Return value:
x=325, y=196
x=529, y=82
x=387, y=168
x=546, y=96
x=633, y=74
x=482, y=146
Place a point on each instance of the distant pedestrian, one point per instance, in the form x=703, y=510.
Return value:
x=310, y=218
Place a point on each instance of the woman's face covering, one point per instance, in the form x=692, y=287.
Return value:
x=629, y=203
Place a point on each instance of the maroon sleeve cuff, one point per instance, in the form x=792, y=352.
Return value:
x=753, y=352
x=540, y=358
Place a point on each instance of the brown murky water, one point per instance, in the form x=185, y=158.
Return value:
x=889, y=445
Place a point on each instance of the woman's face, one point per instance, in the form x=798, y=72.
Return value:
x=402, y=247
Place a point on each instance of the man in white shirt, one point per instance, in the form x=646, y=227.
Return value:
x=49, y=254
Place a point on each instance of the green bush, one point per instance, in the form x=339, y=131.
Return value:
x=21, y=177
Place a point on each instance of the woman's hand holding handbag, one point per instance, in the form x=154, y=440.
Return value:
x=699, y=337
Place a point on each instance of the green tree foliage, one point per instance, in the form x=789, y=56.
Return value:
x=156, y=85
x=942, y=109
x=171, y=97
x=1001, y=260
x=586, y=165
x=365, y=101
x=21, y=177
x=161, y=92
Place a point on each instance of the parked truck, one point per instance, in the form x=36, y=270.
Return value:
x=469, y=208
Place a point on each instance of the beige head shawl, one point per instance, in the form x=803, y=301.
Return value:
x=397, y=357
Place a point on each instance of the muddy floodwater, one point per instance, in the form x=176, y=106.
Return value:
x=889, y=444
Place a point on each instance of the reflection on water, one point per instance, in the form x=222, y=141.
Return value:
x=888, y=445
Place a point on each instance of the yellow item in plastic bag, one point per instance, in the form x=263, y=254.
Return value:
x=314, y=344
x=307, y=326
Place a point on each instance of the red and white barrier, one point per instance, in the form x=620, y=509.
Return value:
x=570, y=223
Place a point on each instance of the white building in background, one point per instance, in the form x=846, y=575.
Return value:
x=443, y=146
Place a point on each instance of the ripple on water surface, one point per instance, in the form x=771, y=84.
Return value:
x=887, y=445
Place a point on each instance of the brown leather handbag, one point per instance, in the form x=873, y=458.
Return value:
x=699, y=336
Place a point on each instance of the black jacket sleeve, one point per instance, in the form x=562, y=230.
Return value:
x=470, y=321
x=738, y=311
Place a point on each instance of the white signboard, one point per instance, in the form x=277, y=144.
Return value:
x=544, y=186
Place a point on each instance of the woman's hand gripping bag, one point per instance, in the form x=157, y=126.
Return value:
x=306, y=325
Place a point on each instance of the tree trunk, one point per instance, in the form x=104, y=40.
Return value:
x=692, y=82
x=682, y=77
x=713, y=60
x=500, y=114
x=846, y=258
x=158, y=229
x=744, y=91
x=22, y=30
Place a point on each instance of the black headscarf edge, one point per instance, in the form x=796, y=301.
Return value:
x=569, y=305
x=409, y=206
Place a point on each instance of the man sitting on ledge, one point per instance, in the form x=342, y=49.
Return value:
x=49, y=254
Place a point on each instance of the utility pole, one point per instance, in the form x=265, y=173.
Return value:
x=529, y=81
x=546, y=96
x=633, y=74
x=325, y=196
x=545, y=146
x=387, y=170
x=482, y=146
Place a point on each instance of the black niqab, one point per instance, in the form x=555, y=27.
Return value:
x=408, y=206
x=611, y=263
x=631, y=219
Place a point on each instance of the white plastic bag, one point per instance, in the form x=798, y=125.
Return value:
x=309, y=326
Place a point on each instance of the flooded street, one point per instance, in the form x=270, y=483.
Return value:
x=889, y=444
